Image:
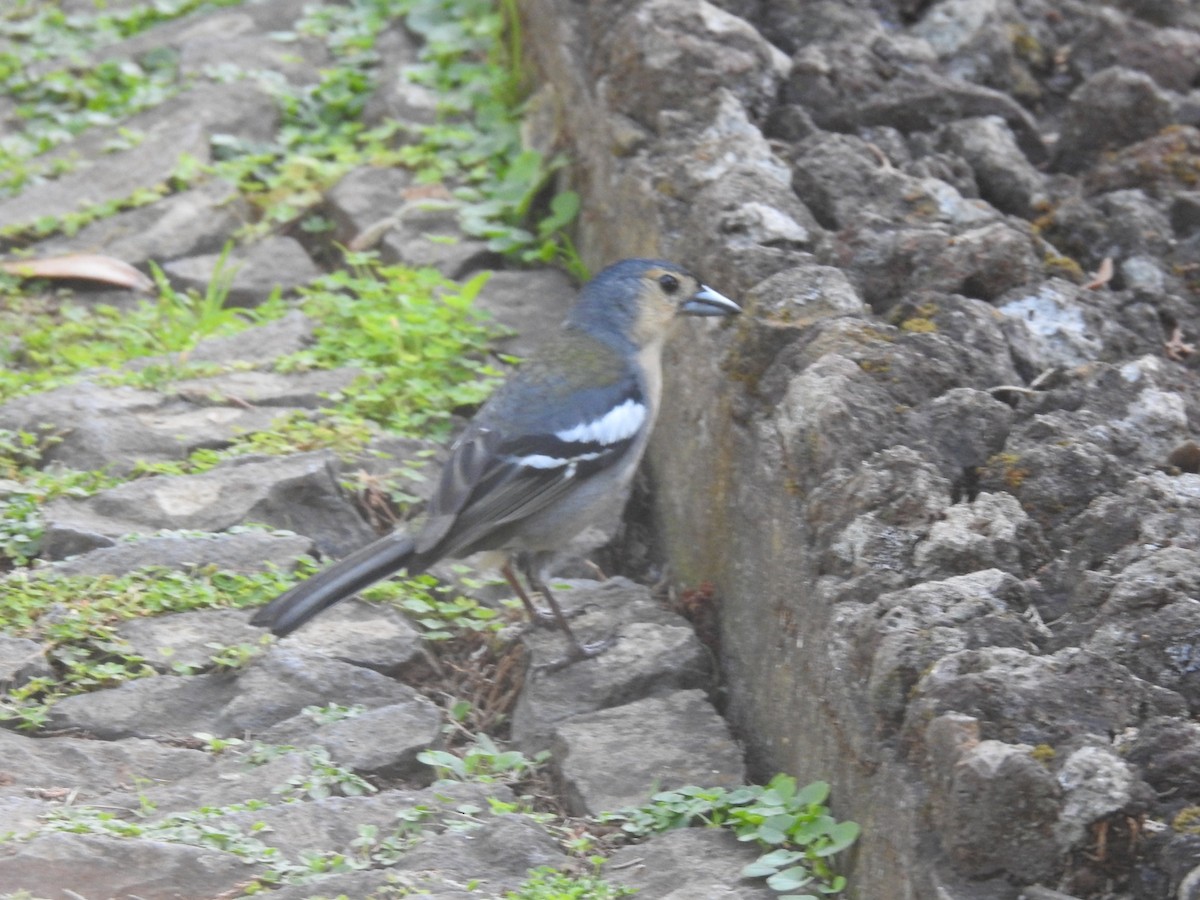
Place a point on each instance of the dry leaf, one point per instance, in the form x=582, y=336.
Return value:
x=85, y=266
x=1103, y=275
x=1176, y=348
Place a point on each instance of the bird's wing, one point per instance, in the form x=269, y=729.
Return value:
x=493, y=480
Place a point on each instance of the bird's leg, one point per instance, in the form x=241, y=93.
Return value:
x=552, y=618
x=537, y=616
x=576, y=650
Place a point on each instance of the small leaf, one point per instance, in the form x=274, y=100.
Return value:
x=841, y=835
x=790, y=879
x=771, y=835
x=780, y=858
x=817, y=792
x=758, y=869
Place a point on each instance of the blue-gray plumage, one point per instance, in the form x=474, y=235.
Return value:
x=551, y=453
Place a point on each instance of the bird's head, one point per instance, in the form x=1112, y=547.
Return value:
x=638, y=299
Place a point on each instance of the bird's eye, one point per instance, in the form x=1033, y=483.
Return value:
x=669, y=283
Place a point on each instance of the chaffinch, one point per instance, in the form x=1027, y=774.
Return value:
x=551, y=453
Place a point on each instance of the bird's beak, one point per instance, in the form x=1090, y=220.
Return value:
x=707, y=302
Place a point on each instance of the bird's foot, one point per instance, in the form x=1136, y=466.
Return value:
x=576, y=653
x=545, y=618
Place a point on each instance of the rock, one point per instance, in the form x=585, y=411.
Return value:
x=182, y=125
x=287, y=680
x=363, y=634
x=101, y=866
x=296, y=390
x=329, y=823
x=97, y=426
x=1168, y=55
x=1161, y=164
x=908, y=631
x=274, y=263
x=20, y=661
x=1111, y=110
x=1005, y=177
x=188, y=641
x=1162, y=646
x=936, y=427
x=1038, y=699
x=277, y=687
x=1134, y=225
x=615, y=758
x=991, y=531
x=655, y=652
x=333, y=822
x=237, y=778
x=1167, y=754
x=365, y=200
x=53, y=768
x=234, y=551
x=842, y=181
x=149, y=707
x=896, y=87
x=791, y=24
x=259, y=345
x=383, y=741
x=1185, y=213
x=184, y=224
x=800, y=295
x=989, y=43
x=996, y=815
x=1095, y=783
x=688, y=862
x=502, y=851
x=225, y=44
x=987, y=261
x=669, y=55
x=281, y=337
x=1189, y=888
x=1050, y=327
x=299, y=493
x=786, y=304
x=761, y=227
x=428, y=233
x=397, y=96
x=528, y=305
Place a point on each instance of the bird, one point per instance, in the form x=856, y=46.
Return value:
x=550, y=453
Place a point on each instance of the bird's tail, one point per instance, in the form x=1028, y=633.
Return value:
x=364, y=567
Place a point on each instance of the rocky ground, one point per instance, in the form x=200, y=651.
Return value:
x=945, y=498
x=936, y=497
x=298, y=764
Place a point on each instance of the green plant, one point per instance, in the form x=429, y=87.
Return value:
x=21, y=501
x=321, y=136
x=323, y=779
x=545, y=883
x=83, y=646
x=472, y=60
x=442, y=616
x=416, y=334
x=54, y=70
x=411, y=826
x=333, y=712
x=216, y=745
x=483, y=762
x=59, y=343
x=296, y=432
x=237, y=656
x=793, y=826
x=195, y=828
